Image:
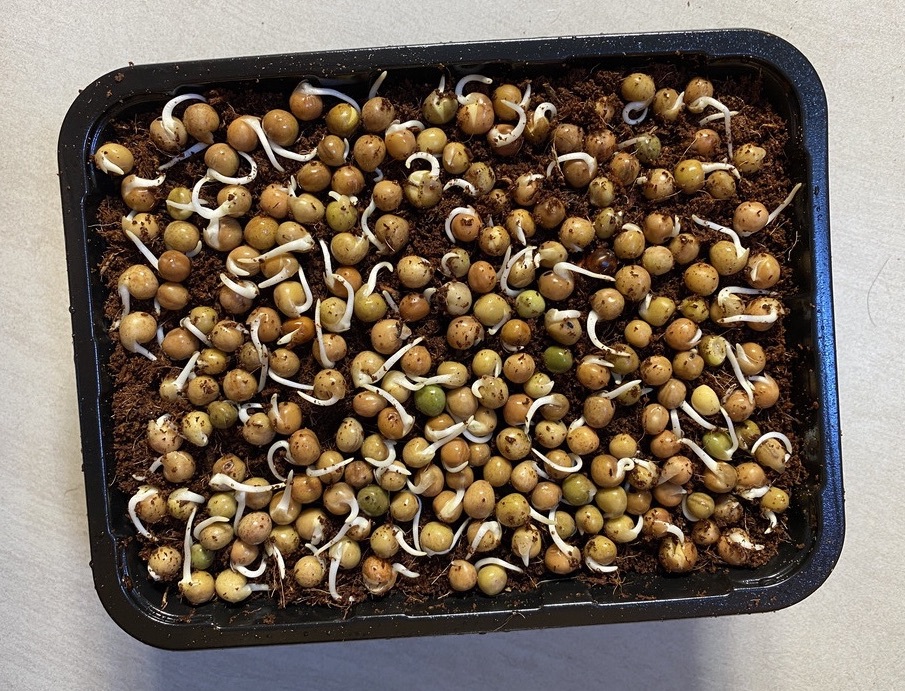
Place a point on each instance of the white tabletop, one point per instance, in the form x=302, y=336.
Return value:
x=53, y=631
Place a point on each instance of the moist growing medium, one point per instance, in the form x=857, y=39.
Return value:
x=452, y=338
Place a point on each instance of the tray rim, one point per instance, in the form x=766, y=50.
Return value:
x=116, y=87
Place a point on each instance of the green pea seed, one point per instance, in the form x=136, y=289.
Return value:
x=431, y=400
x=558, y=360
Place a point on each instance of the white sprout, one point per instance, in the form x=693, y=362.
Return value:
x=233, y=266
x=108, y=166
x=271, y=453
x=403, y=571
x=492, y=330
x=391, y=303
x=441, y=379
x=733, y=436
x=742, y=356
x=458, y=211
x=302, y=244
x=460, y=85
x=685, y=512
x=137, y=183
x=711, y=464
x=187, y=549
x=753, y=493
x=519, y=231
x=711, y=167
x=246, y=289
x=200, y=206
x=576, y=460
x=693, y=414
x=270, y=549
x=536, y=405
x=597, y=567
x=250, y=573
x=166, y=117
x=152, y=260
x=492, y=527
x=186, y=372
x=545, y=109
x=286, y=498
x=310, y=471
x=221, y=482
x=784, y=204
x=714, y=117
x=255, y=124
x=618, y=391
x=400, y=470
x=448, y=510
x=640, y=107
x=444, y=263
x=589, y=160
x=305, y=87
x=194, y=252
x=676, y=425
x=724, y=293
x=497, y=562
x=400, y=538
x=196, y=531
x=770, y=516
x=187, y=324
x=397, y=126
x=567, y=549
x=540, y=471
x=292, y=155
x=504, y=139
x=462, y=183
x=183, y=155
x=408, y=422
x=698, y=105
x=336, y=556
x=242, y=180
x=375, y=87
x=566, y=269
x=391, y=455
x=456, y=537
x=420, y=487
x=576, y=423
x=592, y=331
x=750, y=318
x=323, y=403
x=286, y=272
x=425, y=156
x=378, y=374
x=366, y=229
x=345, y=323
x=447, y=433
x=740, y=538
x=319, y=336
x=774, y=435
x=352, y=503
x=140, y=496
x=675, y=530
x=455, y=468
x=743, y=382
x=740, y=251
x=371, y=284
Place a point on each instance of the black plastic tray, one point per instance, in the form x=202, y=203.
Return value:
x=816, y=523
